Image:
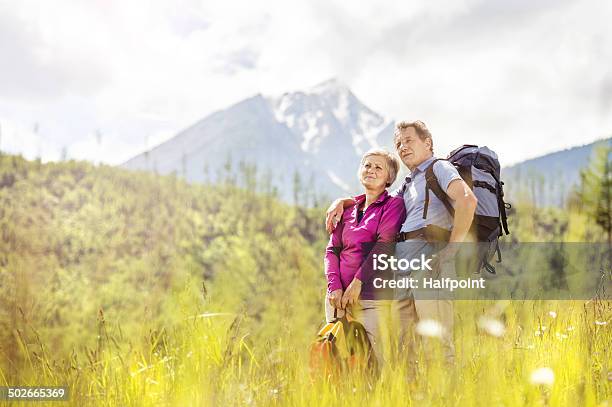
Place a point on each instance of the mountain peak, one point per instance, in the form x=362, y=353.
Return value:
x=330, y=85
x=320, y=131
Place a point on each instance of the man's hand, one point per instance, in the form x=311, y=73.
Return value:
x=444, y=261
x=335, y=211
x=351, y=295
x=335, y=298
x=449, y=252
x=333, y=215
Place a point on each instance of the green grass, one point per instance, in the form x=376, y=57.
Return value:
x=211, y=359
x=152, y=251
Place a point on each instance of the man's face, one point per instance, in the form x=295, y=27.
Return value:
x=411, y=149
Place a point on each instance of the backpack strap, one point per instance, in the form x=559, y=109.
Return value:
x=499, y=259
x=431, y=183
x=407, y=180
x=502, y=213
x=485, y=185
x=502, y=205
x=488, y=266
x=486, y=261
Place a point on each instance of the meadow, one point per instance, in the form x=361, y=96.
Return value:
x=134, y=289
x=547, y=353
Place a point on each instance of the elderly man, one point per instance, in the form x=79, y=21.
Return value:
x=414, y=145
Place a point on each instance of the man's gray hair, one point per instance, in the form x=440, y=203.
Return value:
x=419, y=127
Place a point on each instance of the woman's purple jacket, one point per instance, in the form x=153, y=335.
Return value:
x=348, y=244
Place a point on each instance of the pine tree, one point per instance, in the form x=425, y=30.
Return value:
x=593, y=196
x=297, y=188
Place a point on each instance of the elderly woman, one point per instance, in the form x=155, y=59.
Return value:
x=374, y=216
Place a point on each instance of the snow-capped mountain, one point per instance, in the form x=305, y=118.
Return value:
x=329, y=108
x=319, y=133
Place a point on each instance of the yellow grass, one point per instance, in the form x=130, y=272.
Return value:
x=210, y=360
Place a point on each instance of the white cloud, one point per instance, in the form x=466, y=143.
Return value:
x=530, y=74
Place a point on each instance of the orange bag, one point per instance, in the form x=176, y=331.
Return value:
x=341, y=345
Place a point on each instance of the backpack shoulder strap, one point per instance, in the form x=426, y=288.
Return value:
x=404, y=186
x=502, y=207
x=431, y=183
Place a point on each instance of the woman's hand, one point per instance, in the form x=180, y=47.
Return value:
x=351, y=295
x=335, y=298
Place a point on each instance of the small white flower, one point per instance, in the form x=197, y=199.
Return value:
x=537, y=333
x=543, y=328
x=492, y=326
x=552, y=314
x=430, y=328
x=530, y=346
x=601, y=322
x=561, y=336
x=570, y=328
x=543, y=376
x=419, y=396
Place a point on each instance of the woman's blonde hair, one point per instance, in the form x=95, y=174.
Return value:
x=393, y=164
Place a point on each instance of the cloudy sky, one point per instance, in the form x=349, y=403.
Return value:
x=104, y=79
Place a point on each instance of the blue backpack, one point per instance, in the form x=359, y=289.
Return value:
x=479, y=167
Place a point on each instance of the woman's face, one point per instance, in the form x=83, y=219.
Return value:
x=373, y=173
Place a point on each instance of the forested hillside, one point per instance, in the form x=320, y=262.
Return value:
x=108, y=275
x=79, y=241
x=549, y=180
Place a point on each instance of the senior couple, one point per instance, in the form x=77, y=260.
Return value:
x=376, y=217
